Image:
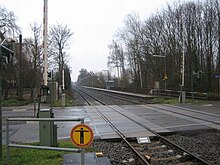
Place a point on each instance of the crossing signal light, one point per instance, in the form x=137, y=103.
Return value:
x=49, y=74
x=200, y=74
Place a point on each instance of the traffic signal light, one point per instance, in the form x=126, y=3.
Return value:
x=49, y=74
x=200, y=74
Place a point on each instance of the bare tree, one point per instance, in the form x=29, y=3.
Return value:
x=117, y=59
x=33, y=51
x=59, y=38
x=193, y=24
x=8, y=24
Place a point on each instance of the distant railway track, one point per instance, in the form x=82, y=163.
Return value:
x=202, y=116
x=106, y=98
x=167, y=151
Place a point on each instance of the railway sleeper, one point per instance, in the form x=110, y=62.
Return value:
x=171, y=160
x=163, y=154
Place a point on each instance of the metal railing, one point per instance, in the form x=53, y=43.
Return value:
x=39, y=147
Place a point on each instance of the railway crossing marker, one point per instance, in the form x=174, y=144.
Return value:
x=81, y=135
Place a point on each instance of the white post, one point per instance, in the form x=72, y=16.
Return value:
x=183, y=62
x=182, y=93
x=63, y=78
x=45, y=29
x=63, y=92
x=140, y=75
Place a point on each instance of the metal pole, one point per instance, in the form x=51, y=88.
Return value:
x=192, y=89
x=34, y=103
x=63, y=92
x=183, y=60
x=0, y=124
x=1, y=110
x=20, y=67
x=0, y=130
x=165, y=76
x=7, y=140
x=45, y=26
x=83, y=150
x=83, y=156
x=219, y=88
x=183, y=68
x=140, y=75
x=108, y=79
x=53, y=92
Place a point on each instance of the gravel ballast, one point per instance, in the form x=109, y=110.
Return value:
x=204, y=143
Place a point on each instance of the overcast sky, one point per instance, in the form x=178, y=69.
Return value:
x=93, y=22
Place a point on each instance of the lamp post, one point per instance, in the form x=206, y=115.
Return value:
x=165, y=69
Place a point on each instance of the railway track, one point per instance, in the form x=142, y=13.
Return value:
x=159, y=151
x=199, y=113
x=109, y=98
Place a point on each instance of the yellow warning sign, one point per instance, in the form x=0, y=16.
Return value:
x=81, y=135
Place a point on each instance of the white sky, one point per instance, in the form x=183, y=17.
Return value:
x=93, y=22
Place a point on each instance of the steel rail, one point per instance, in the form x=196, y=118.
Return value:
x=117, y=130
x=154, y=132
x=165, y=139
x=121, y=98
x=198, y=118
x=87, y=101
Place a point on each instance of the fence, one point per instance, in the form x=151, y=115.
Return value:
x=40, y=147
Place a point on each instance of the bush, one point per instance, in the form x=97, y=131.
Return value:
x=213, y=96
x=14, y=102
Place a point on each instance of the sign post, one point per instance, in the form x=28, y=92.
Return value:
x=82, y=136
x=218, y=76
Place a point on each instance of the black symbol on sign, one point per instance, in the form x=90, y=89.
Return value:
x=81, y=135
